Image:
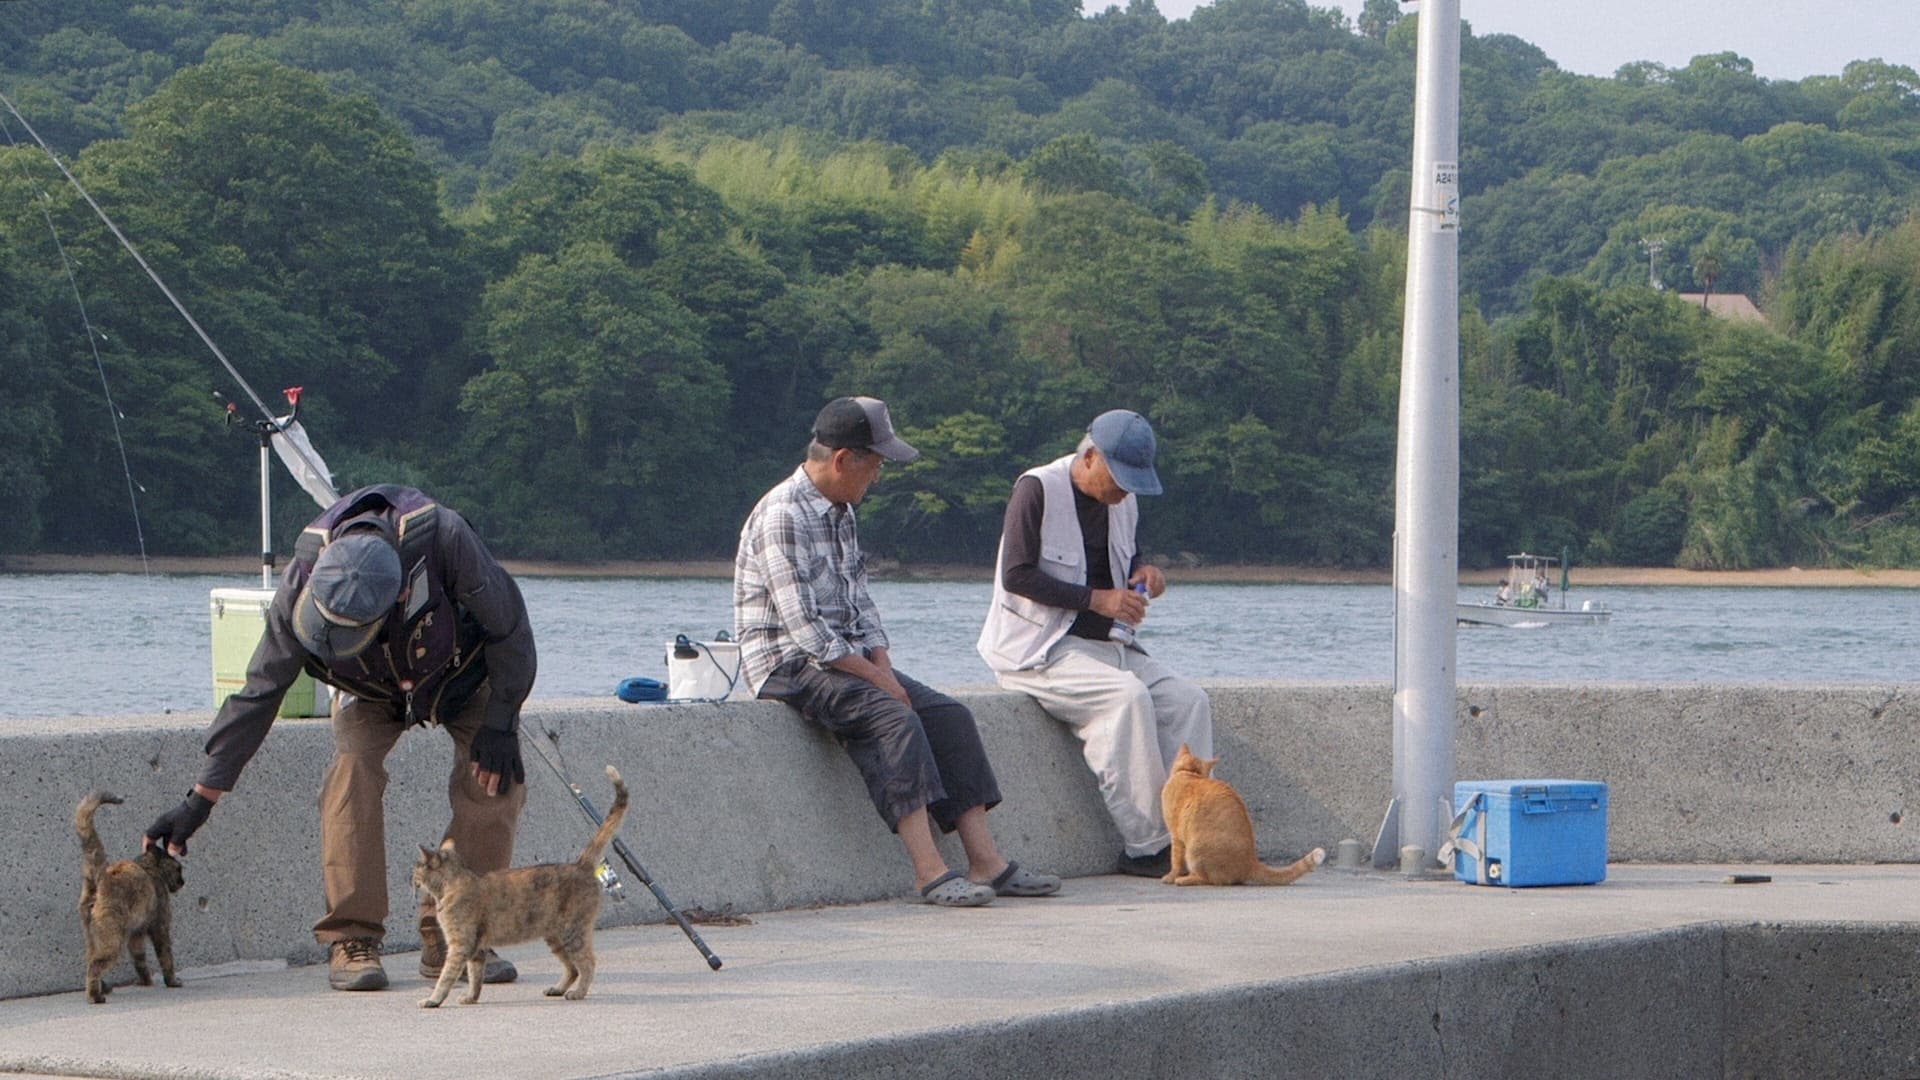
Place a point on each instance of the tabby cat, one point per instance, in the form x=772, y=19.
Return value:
x=123, y=905
x=558, y=902
x=1213, y=833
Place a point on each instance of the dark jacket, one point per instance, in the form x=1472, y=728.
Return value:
x=463, y=622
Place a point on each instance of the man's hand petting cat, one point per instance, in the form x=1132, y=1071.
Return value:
x=496, y=760
x=170, y=830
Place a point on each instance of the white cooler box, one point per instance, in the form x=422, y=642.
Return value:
x=239, y=618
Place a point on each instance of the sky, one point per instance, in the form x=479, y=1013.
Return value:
x=1785, y=39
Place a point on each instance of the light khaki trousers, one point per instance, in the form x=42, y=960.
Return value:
x=353, y=838
x=1131, y=713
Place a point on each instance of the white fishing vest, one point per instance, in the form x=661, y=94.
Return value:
x=1018, y=632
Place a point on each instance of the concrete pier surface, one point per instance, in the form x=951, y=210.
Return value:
x=1663, y=970
x=1659, y=971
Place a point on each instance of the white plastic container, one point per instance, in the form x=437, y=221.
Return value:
x=705, y=671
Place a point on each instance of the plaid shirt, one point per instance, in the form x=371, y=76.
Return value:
x=800, y=582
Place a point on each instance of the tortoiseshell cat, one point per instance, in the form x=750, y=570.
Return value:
x=123, y=905
x=1213, y=833
x=554, y=901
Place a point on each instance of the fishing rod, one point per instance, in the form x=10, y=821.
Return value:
x=93, y=344
x=619, y=846
x=305, y=459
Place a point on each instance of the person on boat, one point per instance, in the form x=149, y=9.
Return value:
x=811, y=637
x=1542, y=588
x=392, y=599
x=1069, y=587
x=1504, y=594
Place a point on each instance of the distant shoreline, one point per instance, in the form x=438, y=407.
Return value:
x=888, y=571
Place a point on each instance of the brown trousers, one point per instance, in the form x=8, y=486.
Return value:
x=353, y=839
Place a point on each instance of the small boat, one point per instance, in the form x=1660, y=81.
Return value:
x=1527, y=599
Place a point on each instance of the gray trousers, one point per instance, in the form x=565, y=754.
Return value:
x=928, y=754
x=1131, y=714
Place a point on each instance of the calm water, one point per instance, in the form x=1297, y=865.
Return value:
x=113, y=643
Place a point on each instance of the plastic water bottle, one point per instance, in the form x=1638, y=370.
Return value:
x=1124, y=632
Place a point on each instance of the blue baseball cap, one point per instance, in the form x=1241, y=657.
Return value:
x=354, y=585
x=1126, y=440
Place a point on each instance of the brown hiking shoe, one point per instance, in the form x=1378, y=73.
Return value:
x=433, y=956
x=433, y=947
x=354, y=964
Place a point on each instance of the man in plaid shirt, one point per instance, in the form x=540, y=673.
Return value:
x=809, y=636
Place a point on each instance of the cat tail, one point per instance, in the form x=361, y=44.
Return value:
x=604, y=836
x=94, y=852
x=1293, y=871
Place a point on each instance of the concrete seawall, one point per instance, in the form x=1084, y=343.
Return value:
x=745, y=808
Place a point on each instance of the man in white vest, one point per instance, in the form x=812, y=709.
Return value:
x=1069, y=591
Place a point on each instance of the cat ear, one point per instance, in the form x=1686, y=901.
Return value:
x=447, y=845
x=426, y=851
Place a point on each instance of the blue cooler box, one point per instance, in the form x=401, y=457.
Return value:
x=1529, y=832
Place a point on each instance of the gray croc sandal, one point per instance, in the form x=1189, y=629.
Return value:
x=952, y=889
x=1014, y=881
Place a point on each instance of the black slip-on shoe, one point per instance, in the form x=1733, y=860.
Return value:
x=1153, y=866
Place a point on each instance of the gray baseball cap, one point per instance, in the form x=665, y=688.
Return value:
x=353, y=587
x=861, y=423
x=1126, y=439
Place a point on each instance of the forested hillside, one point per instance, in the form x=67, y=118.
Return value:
x=585, y=269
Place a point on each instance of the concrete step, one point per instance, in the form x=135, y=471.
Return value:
x=1659, y=971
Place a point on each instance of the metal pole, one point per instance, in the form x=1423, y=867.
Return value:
x=1426, y=546
x=266, y=511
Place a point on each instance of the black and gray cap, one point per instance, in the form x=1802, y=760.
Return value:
x=861, y=423
x=354, y=585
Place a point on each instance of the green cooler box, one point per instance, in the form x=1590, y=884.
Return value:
x=239, y=618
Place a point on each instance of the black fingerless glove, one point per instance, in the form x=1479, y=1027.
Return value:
x=172, y=828
x=497, y=751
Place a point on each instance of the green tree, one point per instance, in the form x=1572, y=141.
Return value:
x=1856, y=300
x=30, y=433
x=1684, y=234
x=599, y=391
x=1743, y=506
x=1709, y=262
x=1377, y=17
x=303, y=233
x=1074, y=163
x=943, y=346
x=312, y=243
x=1653, y=526
x=948, y=505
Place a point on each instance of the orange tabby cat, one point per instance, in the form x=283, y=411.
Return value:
x=1213, y=833
x=557, y=902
